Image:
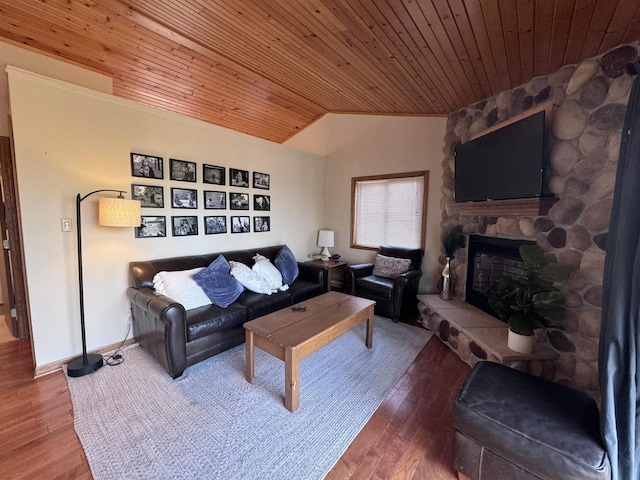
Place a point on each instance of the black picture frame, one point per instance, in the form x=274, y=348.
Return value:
x=215, y=200
x=238, y=201
x=240, y=224
x=261, y=180
x=184, y=226
x=146, y=166
x=151, y=226
x=184, y=198
x=238, y=178
x=214, y=225
x=213, y=174
x=150, y=196
x=262, y=203
x=182, y=170
x=261, y=224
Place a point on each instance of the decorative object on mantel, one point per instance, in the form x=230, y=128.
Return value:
x=452, y=239
x=531, y=301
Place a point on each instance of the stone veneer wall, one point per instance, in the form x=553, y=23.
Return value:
x=589, y=104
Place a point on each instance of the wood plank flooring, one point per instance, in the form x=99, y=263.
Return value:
x=409, y=437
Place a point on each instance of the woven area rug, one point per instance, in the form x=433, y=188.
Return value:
x=135, y=422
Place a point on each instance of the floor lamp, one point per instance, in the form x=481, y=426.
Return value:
x=112, y=212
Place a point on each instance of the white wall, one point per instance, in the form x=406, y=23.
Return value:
x=71, y=140
x=389, y=145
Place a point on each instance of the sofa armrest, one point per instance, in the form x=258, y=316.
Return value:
x=313, y=273
x=159, y=325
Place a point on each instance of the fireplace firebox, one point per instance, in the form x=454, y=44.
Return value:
x=489, y=259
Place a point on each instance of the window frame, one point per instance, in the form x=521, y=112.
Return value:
x=391, y=176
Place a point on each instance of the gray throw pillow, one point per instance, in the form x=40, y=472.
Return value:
x=390, y=267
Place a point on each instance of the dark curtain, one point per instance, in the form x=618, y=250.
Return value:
x=619, y=338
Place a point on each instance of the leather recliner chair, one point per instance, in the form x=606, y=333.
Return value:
x=393, y=296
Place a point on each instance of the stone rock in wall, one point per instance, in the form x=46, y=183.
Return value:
x=455, y=133
x=583, y=72
x=517, y=97
x=527, y=227
x=548, y=370
x=503, y=100
x=590, y=143
x=507, y=226
x=586, y=349
x=573, y=300
x=585, y=169
x=601, y=241
x=613, y=63
x=575, y=187
x=607, y=119
x=564, y=157
x=566, y=211
x=579, y=237
x=458, y=285
x=560, y=341
x=594, y=296
x=604, y=183
x=535, y=368
x=454, y=331
x=576, y=281
x=463, y=347
x=491, y=105
x=543, y=242
x=562, y=76
x=454, y=343
x=613, y=147
x=478, y=126
x=431, y=322
x=570, y=321
x=452, y=119
x=480, y=105
x=443, y=330
x=492, y=220
x=478, y=351
x=527, y=103
x=566, y=364
x=594, y=92
x=543, y=95
x=492, y=118
x=569, y=120
x=482, y=225
x=620, y=88
x=592, y=266
x=557, y=237
x=571, y=258
x=590, y=321
x=543, y=224
x=536, y=84
x=585, y=376
x=558, y=96
x=596, y=217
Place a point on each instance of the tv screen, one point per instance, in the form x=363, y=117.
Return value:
x=504, y=164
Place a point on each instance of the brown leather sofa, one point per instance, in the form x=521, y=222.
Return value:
x=178, y=338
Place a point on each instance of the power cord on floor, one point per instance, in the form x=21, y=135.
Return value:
x=116, y=357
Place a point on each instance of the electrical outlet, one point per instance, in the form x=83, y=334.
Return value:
x=66, y=225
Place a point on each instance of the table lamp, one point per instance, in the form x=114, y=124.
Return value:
x=325, y=240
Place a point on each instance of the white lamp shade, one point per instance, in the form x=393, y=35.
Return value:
x=118, y=212
x=325, y=238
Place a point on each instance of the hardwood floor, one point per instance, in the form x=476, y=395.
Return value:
x=409, y=437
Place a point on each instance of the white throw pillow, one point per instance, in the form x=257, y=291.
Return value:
x=269, y=272
x=181, y=286
x=249, y=279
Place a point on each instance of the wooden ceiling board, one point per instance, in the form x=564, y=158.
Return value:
x=269, y=68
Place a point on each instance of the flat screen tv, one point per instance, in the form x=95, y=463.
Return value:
x=506, y=163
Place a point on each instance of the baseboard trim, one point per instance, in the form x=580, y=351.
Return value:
x=43, y=370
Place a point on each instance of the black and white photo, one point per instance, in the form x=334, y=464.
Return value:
x=215, y=200
x=261, y=180
x=213, y=174
x=150, y=196
x=261, y=224
x=184, y=198
x=215, y=225
x=182, y=170
x=184, y=226
x=239, y=201
x=239, y=178
x=262, y=203
x=146, y=166
x=151, y=227
x=240, y=225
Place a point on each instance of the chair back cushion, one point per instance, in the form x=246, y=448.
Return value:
x=413, y=254
x=390, y=267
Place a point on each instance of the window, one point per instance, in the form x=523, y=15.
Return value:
x=389, y=210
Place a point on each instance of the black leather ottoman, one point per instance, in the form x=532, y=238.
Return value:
x=510, y=425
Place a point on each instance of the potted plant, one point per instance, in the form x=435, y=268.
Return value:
x=530, y=301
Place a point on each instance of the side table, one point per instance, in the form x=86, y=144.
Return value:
x=333, y=267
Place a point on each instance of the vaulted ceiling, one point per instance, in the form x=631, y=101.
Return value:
x=271, y=67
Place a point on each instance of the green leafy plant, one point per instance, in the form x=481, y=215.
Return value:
x=532, y=301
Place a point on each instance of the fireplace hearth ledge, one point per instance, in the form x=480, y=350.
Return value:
x=475, y=335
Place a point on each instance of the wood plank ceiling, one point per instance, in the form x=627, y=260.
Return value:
x=270, y=67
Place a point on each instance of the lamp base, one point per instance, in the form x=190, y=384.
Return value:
x=325, y=254
x=78, y=368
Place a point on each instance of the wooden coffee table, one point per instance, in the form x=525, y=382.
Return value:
x=292, y=335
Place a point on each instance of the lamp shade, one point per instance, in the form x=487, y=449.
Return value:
x=118, y=212
x=325, y=238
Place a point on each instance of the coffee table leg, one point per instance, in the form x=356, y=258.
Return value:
x=249, y=368
x=291, y=380
x=370, y=328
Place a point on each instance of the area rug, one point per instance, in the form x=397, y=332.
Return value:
x=135, y=422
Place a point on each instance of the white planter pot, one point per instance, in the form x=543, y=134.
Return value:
x=520, y=343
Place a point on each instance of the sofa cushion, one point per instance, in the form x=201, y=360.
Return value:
x=266, y=269
x=390, y=267
x=259, y=305
x=249, y=279
x=218, y=283
x=287, y=264
x=204, y=321
x=376, y=287
x=181, y=287
x=302, y=290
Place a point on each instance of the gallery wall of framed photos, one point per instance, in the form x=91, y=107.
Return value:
x=232, y=192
